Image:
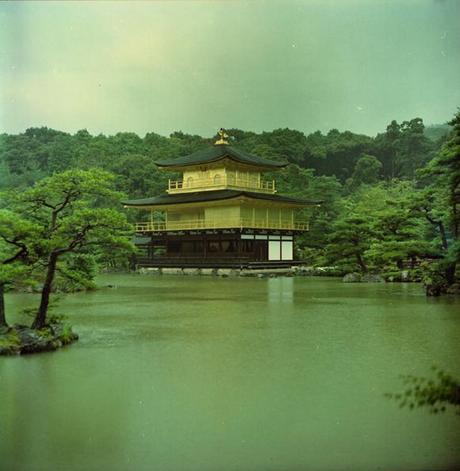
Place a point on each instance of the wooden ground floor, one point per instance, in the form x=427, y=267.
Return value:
x=216, y=249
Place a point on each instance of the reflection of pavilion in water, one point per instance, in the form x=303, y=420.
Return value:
x=280, y=290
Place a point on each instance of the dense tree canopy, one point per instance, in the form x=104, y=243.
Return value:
x=388, y=200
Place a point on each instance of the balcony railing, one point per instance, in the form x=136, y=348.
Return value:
x=230, y=223
x=221, y=182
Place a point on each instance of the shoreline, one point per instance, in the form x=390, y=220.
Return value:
x=241, y=272
x=22, y=340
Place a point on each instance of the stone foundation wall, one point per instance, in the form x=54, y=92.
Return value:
x=229, y=272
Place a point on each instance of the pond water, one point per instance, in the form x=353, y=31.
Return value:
x=205, y=373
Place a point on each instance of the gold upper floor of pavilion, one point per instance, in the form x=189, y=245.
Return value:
x=221, y=179
x=221, y=188
x=221, y=167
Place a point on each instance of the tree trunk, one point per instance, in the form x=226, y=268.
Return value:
x=450, y=273
x=361, y=263
x=40, y=318
x=455, y=218
x=3, y=322
x=442, y=231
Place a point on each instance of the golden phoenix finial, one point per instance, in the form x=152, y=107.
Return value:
x=222, y=138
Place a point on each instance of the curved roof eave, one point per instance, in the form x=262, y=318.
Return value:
x=218, y=152
x=207, y=196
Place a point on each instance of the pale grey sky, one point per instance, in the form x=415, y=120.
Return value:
x=256, y=65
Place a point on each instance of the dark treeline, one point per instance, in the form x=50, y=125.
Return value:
x=386, y=205
x=39, y=152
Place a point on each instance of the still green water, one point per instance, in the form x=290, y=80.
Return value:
x=197, y=373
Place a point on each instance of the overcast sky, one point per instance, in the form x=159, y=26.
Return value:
x=256, y=65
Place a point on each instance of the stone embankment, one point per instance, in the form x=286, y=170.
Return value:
x=243, y=272
x=359, y=278
x=301, y=270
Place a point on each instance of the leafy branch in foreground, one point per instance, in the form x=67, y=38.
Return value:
x=434, y=394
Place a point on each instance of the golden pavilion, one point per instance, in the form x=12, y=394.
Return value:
x=222, y=213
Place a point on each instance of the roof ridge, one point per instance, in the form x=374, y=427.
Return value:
x=214, y=153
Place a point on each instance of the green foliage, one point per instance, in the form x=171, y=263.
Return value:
x=379, y=230
x=137, y=175
x=367, y=171
x=434, y=394
x=66, y=208
x=67, y=335
x=439, y=201
x=38, y=152
x=386, y=149
x=335, y=153
x=438, y=132
x=53, y=317
x=414, y=148
x=77, y=273
x=372, y=212
x=62, y=225
x=18, y=254
x=350, y=240
x=9, y=342
x=447, y=165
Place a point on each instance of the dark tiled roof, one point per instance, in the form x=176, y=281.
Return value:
x=217, y=152
x=203, y=196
